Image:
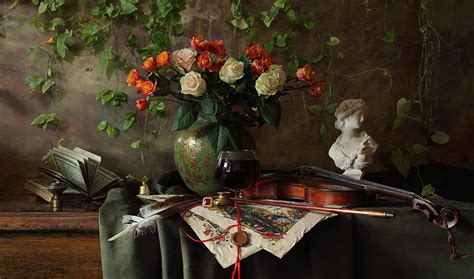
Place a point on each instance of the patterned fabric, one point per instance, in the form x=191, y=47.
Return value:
x=272, y=228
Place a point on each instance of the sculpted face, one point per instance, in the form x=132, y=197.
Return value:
x=354, y=121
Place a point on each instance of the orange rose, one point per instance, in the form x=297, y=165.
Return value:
x=253, y=51
x=49, y=41
x=146, y=87
x=204, y=60
x=317, y=89
x=198, y=43
x=257, y=67
x=266, y=59
x=306, y=74
x=163, y=59
x=149, y=65
x=133, y=77
x=141, y=104
x=218, y=47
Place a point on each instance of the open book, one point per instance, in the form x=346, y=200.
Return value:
x=80, y=169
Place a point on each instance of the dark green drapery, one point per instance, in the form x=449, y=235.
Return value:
x=341, y=247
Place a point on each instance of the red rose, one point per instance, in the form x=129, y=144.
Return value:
x=141, y=104
x=204, y=60
x=146, y=87
x=149, y=65
x=198, y=43
x=133, y=77
x=306, y=74
x=163, y=59
x=218, y=47
x=317, y=89
x=253, y=51
x=257, y=67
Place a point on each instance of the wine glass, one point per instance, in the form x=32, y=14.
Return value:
x=237, y=169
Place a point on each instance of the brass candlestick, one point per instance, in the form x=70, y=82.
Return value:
x=56, y=189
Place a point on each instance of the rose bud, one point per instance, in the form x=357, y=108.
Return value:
x=204, y=60
x=149, y=65
x=253, y=51
x=133, y=77
x=163, y=59
x=317, y=89
x=141, y=104
x=198, y=43
x=218, y=47
x=146, y=87
x=306, y=74
x=257, y=67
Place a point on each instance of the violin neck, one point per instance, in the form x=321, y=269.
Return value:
x=360, y=184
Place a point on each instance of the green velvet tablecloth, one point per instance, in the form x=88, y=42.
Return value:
x=407, y=246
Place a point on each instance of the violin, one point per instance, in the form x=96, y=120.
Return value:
x=329, y=189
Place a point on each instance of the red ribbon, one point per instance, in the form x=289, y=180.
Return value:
x=239, y=228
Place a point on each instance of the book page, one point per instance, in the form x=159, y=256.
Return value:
x=70, y=169
x=83, y=160
x=103, y=180
x=93, y=164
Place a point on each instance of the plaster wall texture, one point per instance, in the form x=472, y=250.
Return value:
x=356, y=74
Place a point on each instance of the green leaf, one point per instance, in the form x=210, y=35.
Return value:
x=293, y=64
x=156, y=107
x=208, y=110
x=91, y=28
x=55, y=22
x=271, y=112
x=39, y=120
x=107, y=56
x=428, y=191
x=280, y=4
x=239, y=23
x=309, y=24
x=49, y=73
x=333, y=41
x=46, y=85
x=61, y=40
x=44, y=120
x=398, y=159
x=403, y=108
x=218, y=137
x=33, y=81
x=102, y=125
x=112, y=131
x=389, y=37
x=130, y=119
x=440, y=137
x=315, y=109
x=331, y=108
x=318, y=58
x=323, y=131
x=419, y=148
x=291, y=15
x=269, y=16
x=183, y=118
x=42, y=8
x=136, y=144
x=128, y=7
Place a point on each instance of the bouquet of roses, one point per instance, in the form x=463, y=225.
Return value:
x=230, y=93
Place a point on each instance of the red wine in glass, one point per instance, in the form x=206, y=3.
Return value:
x=237, y=169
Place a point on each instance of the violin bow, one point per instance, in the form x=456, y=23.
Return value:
x=444, y=217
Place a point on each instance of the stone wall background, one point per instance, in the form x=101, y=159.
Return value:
x=297, y=142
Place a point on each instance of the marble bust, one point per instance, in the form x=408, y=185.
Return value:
x=352, y=151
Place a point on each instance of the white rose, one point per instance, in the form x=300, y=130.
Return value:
x=231, y=71
x=270, y=81
x=184, y=59
x=193, y=84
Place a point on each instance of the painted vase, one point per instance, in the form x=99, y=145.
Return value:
x=195, y=158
